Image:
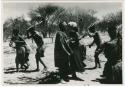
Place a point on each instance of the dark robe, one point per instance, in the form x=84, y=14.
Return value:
x=113, y=66
x=76, y=62
x=61, y=51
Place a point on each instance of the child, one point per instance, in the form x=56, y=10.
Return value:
x=39, y=42
x=97, y=41
x=18, y=40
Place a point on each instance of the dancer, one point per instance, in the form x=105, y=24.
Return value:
x=97, y=41
x=39, y=42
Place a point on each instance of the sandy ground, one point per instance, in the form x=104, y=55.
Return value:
x=89, y=76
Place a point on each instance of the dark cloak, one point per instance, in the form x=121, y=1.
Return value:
x=76, y=62
x=61, y=51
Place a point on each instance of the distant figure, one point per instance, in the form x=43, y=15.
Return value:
x=76, y=61
x=31, y=33
x=97, y=41
x=62, y=52
x=22, y=50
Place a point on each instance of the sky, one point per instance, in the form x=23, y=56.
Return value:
x=13, y=10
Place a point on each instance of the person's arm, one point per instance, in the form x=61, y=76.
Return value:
x=21, y=40
x=81, y=37
x=69, y=40
x=64, y=48
x=88, y=33
x=95, y=39
x=68, y=47
x=92, y=43
x=64, y=44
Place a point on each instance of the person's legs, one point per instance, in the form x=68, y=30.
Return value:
x=40, y=53
x=37, y=61
x=74, y=75
x=27, y=52
x=42, y=63
x=97, y=60
x=17, y=64
x=61, y=77
x=63, y=74
x=27, y=59
x=105, y=69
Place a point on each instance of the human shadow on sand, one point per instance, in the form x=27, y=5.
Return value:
x=10, y=70
x=75, y=78
x=56, y=81
x=28, y=80
x=102, y=81
x=91, y=68
x=13, y=70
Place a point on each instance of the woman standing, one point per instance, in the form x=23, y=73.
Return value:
x=76, y=62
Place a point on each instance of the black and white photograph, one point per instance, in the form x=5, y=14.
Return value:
x=62, y=42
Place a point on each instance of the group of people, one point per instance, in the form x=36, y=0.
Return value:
x=69, y=57
x=112, y=50
x=21, y=46
x=69, y=54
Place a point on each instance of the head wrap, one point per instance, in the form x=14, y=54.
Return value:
x=72, y=24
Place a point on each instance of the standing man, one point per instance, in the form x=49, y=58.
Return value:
x=97, y=41
x=62, y=52
x=40, y=50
